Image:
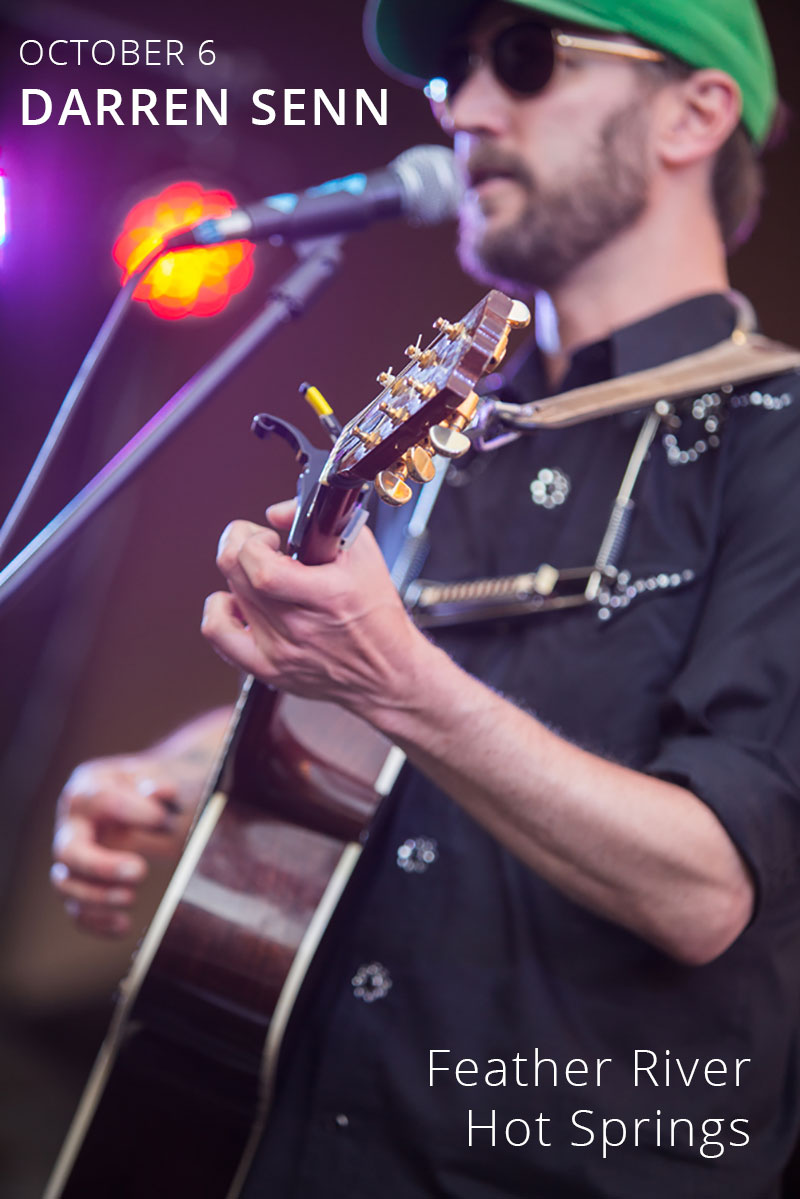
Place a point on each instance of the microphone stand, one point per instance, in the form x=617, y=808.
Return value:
x=70, y=402
x=318, y=261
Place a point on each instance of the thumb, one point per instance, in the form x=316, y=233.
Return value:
x=280, y=516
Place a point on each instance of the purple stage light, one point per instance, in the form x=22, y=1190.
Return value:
x=3, y=206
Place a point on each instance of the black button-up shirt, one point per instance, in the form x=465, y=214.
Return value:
x=456, y=946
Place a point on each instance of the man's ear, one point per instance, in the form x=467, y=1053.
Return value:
x=696, y=116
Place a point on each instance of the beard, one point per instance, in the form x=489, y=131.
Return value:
x=560, y=227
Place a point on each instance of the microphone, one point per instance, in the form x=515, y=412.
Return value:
x=421, y=184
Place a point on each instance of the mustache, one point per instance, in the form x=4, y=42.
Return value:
x=487, y=161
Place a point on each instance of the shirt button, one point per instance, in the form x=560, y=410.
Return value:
x=550, y=488
x=342, y=1120
x=416, y=854
x=371, y=982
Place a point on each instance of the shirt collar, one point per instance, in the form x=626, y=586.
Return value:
x=684, y=328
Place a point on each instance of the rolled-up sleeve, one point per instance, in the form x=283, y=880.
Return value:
x=731, y=719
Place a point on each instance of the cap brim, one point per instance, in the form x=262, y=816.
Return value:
x=407, y=38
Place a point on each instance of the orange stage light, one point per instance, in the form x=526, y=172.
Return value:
x=196, y=282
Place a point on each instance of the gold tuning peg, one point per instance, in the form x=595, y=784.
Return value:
x=520, y=315
x=425, y=390
x=392, y=488
x=423, y=358
x=518, y=318
x=399, y=383
x=450, y=443
x=419, y=464
x=451, y=330
x=367, y=438
x=464, y=413
x=386, y=378
x=392, y=412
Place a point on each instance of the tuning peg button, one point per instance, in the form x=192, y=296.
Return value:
x=419, y=464
x=520, y=315
x=450, y=443
x=392, y=488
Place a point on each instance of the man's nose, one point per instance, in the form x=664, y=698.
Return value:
x=481, y=104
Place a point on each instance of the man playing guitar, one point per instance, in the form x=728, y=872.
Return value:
x=594, y=851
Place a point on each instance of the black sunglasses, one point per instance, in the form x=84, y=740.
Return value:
x=523, y=57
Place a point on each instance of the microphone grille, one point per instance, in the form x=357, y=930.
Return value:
x=430, y=183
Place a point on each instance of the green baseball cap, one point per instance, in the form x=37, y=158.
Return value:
x=409, y=36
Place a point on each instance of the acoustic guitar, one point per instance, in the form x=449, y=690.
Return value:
x=181, y=1088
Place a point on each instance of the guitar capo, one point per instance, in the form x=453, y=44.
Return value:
x=312, y=460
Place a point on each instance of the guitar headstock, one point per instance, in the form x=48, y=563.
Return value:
x=424, y=408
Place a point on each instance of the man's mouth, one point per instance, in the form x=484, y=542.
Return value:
x=488, y=167
x=480, y=176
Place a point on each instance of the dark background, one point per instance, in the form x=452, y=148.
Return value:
x=101, y=652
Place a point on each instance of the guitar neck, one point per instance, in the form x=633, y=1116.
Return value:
x=322, y=533
x=247, y=754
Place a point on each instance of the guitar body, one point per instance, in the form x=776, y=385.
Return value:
x=190, y=1057
x=181, y=1088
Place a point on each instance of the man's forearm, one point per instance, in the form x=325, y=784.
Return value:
x=196, y=744
x=642, y=852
